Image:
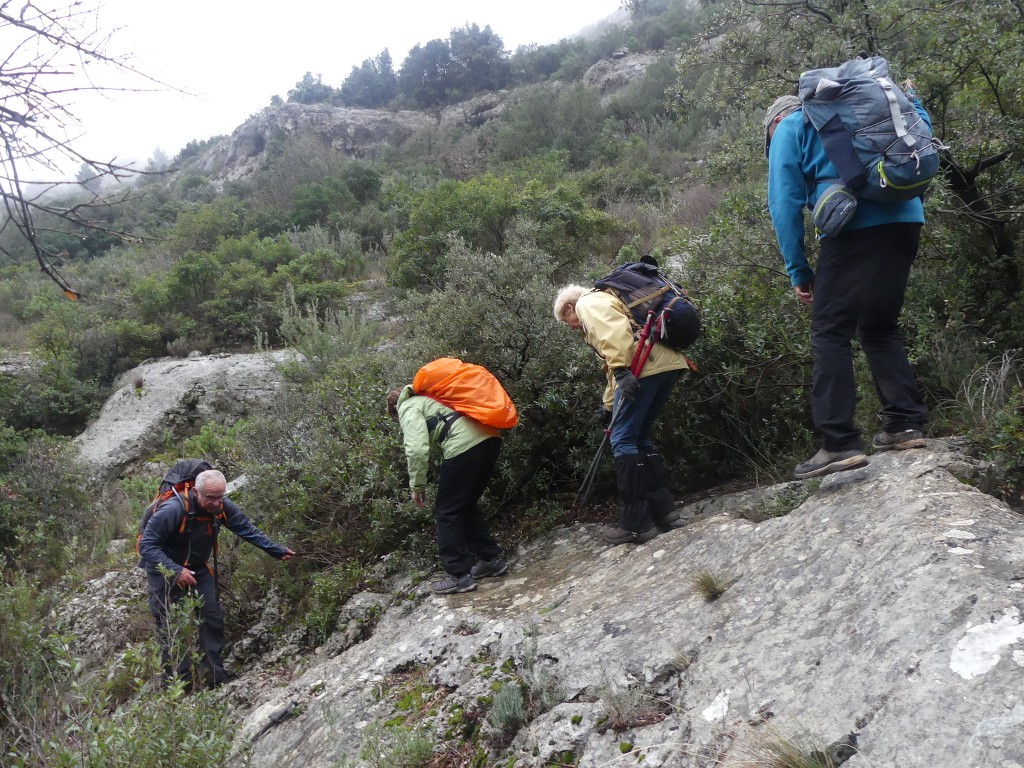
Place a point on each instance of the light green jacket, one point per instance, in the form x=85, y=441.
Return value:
x=608, y=328
x=421, y=443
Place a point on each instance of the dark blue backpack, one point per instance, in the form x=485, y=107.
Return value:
x=643, y=289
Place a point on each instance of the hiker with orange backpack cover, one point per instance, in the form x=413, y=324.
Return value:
x=180, y=537
x=469, y=451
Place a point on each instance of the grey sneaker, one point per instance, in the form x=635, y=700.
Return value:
x=826, y=462
x=617, y=535
x=451, y=585
x=901, y=441
x=485, y=568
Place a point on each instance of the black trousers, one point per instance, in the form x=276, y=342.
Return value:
x=859, y=287
x=462, y=532
x=211, y=626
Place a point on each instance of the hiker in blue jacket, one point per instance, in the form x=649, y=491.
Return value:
x=181, y=536
x=859, y=288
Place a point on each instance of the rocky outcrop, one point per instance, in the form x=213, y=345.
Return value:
x=474, y=112
x=881, y=619
x=613, y=74
x=362, y=133
x=351, y=132
x=18, y=364
x=172, y=399
x=105, y=612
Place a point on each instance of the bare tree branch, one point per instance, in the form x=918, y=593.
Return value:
x=54, y=54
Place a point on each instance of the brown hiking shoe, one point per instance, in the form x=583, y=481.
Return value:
x=615, y=536
x=901, y=441
x=826, y=462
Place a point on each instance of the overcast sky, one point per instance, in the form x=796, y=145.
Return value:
x=233, y=55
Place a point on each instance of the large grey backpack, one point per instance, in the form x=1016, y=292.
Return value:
x=882, y=148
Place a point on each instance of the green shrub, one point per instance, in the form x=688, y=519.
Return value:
x=48, y=515
x=629, y=707
x=330, y=590
x=1004, y=442
x=220, y=444
x=747, y=408
x=58, y=714
x=395, y=746
x=508, y=711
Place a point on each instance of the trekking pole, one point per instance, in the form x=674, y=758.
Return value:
x=643, y=351
x=644, y=345
x=583, y=495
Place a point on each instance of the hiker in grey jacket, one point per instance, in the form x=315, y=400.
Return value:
x=180, y=537
x=469, y=452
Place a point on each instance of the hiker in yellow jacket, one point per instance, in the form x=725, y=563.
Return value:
x=469, y=452
x=632, y=403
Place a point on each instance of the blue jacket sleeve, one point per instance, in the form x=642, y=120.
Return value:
x=787, y=196
x=162, y=525
x=243, y=528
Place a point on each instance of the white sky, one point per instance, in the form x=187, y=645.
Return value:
x=235, y=55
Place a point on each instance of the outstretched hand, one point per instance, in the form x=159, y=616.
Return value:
x=185, y=578
x=288, y=555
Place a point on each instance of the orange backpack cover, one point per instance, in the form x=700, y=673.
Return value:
x=470, y=389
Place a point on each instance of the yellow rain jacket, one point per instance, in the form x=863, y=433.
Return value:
x=609, y=329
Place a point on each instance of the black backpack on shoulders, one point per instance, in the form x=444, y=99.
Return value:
x=177, y=482
x=643, y=289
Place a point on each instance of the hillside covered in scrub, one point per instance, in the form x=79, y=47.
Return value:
x=358, y=230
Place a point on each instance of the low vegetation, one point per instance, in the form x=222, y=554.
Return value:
x=708, y=584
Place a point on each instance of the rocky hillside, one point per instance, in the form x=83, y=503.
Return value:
x=875, y=617
x=364, y=133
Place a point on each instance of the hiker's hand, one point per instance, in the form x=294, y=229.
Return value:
x=805, y=293
x=288, y=555
x=419, y=498
x=627, y=384
x=603, y=416
x=185, y=579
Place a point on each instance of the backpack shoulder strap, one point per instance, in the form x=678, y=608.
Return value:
x=186, y=517
x=447, y=421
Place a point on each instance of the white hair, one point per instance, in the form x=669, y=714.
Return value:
x=567, y=297
x=204, y=477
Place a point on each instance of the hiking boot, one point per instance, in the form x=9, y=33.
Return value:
x=616, y=536
x=451, y=585
x=901, y=441
x=660, y=504
x=485, y=568
x=663, y=509
x=826, y=462
x=634, y=512
x=670, y=522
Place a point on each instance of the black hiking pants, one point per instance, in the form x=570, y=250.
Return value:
x=462, y=532
x=859, y=287
x=177, y=651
